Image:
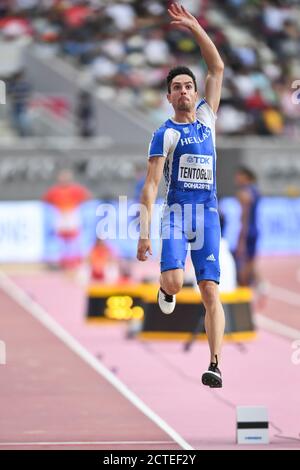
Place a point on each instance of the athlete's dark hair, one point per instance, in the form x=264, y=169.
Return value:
x=181, y=70
x=247, y=172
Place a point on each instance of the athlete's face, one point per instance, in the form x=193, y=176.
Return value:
x=183, y=96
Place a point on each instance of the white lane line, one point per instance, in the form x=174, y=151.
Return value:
x=19, y=296
x=85, y=443
x=276, y=327
x=285, y=295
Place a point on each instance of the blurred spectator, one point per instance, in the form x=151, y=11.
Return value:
x=232, y=120
x=123, y=15
x=273, y=121
x=103, y=263
x=14, y=40
x=4, y=7
x=85, y=115
x=18, y=91
x=67, y=196
x=76, y=15
x=248, y=196
x=228, y=277
x=156, y=49
x=25, y=4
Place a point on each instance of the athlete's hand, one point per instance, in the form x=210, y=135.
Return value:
x=144, y=247
x=182, y=18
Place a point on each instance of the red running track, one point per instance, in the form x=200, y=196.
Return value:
x=258, y=373
x=50, y=395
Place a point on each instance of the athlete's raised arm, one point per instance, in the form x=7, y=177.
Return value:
x=215, y=66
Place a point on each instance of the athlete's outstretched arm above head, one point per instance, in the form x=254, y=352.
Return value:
x=215, y=66
x=148, y=197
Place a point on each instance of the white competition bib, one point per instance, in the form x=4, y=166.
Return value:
x=196, y=169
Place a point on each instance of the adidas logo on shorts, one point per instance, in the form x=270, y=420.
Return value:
x=211, y=258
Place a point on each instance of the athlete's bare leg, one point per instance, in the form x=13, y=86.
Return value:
x=214, y=317
x=172, y=281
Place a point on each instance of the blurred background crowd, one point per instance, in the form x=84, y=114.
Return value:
x=85, y=82
x=123, y=50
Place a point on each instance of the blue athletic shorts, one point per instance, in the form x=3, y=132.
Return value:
x=197, y=226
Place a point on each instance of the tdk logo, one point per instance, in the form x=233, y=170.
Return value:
x=199, y=160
